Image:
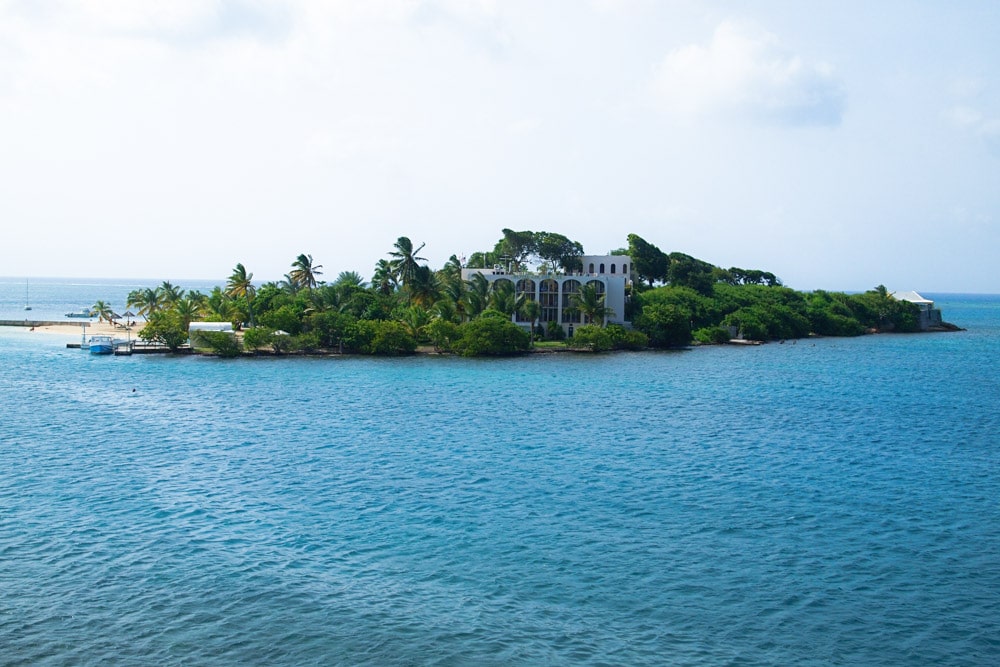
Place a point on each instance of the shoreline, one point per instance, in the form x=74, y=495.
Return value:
x=72, y=328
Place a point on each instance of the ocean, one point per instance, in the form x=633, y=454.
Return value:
x=825, y=501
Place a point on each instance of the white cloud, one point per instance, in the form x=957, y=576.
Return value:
x=745, y=72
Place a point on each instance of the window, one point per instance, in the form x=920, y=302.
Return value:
x=570, y=288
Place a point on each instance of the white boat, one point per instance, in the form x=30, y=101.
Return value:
x=83, y=312
x=27, y=304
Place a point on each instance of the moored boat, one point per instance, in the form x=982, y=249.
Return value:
x=83, y=312
x=101, y=344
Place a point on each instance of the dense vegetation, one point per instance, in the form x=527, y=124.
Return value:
x=675, y=300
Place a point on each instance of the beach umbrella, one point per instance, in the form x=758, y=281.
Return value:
x=128, y=315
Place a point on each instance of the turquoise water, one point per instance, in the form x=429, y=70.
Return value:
x=825, y=502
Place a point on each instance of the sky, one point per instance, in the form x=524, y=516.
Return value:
x=838, y=144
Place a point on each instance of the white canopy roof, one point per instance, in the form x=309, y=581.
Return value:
x=910, y=296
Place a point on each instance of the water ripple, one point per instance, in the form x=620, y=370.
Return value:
x=809, y=504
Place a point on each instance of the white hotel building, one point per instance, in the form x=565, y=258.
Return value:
x=609, y=274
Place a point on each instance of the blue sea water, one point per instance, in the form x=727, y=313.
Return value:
x=830, y=501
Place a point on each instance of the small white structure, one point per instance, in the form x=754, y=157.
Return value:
x=929, y=315
x=610, y=275
x=210, y=326
x=197, y=327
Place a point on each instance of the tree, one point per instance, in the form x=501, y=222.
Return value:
x=165, y=328
x=349, y=279
x=491, y=334
x=415, y=319
x=531, y=310
x=169, y=294
x=405, y=260
x=504, y=299
x=559, y=250
x=477, y=294
x=686, y=271
x=666, y=325
x=592, y=338
x=304, y=272
x=220, y=305
x=384, y=281
x=240, y=285
x=648, y=261
x=423, y=287
x=104, y=311
x=517, y=247
x=145, y=301
x=590, y=303
x=188, y=310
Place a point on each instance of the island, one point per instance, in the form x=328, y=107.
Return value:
x=533, y=291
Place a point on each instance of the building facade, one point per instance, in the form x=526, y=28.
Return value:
x=610, y=275
x=929, y=315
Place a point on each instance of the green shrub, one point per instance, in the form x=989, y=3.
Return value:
x=165, y=328
x=666, y=325
x=712, y=335
x=379, y=337
x=626, y=339
x=221, y=343
x=442, y=334
x=554, y=331
x=490, y=336
x=390, y=338
x=255, y=338
x=305, y=342
x=590, y=337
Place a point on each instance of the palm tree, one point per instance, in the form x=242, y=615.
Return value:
x=590, y=303
x=504, y=299
x=288, y=284
x=104, y=311
x=415, y=319
x=477, y=296
x=423, y=288
x=240, y=284
x=404, y=259
x=453, y=292
x=304, y=272
x=220, y=305
x=349, y=278
x=452, y=269
x=188, y=310
x=169, y=294
x=146, y=301
x=384, y=281
x=531, y=310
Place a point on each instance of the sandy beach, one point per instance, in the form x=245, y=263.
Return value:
x=75, y=328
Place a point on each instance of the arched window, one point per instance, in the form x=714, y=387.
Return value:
x=570, y=289
x=591, y=270
x=602, y=267
x=612, y=268
x=625, y=269
x=507, y=284
x=548, y=298
x=525, y=290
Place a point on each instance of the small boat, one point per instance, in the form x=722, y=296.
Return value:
x=27, y=304
x=83, y=312
x=101, y=344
